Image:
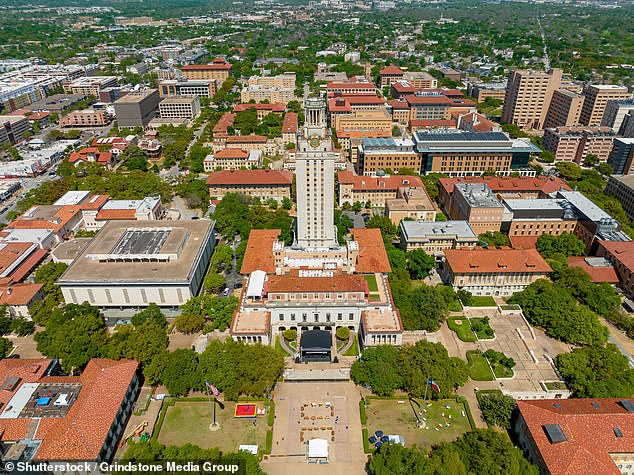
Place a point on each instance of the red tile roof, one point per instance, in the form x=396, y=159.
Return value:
x=95, y=202
x=231, y=153
x=246, y=139
x=251, y=177
x=350, y=85
x=259, y=251
x=11, y=252
x=415, y=99
x=393, y=182
x=275, y=107
x=478, y=261
x=341, y=134
x=224, y=123
x=589, y=432
x=19, y=294
x=391, y=70
x=597, y=274
x=294, y=284
x=115, y=214
x=541, y=184
x=450, y=123
x=82, y=432
x=622, y=251
x=290, y=125
x=29, y=264
x=372, y=255
x=217, y=65
x=398, y=104
x=523, y=242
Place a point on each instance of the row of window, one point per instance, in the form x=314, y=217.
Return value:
x=281, y=317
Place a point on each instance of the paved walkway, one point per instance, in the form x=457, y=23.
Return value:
x=288, y=455
x=621, y=340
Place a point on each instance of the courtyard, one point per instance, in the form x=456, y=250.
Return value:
x=188, y=422
x=316, y=410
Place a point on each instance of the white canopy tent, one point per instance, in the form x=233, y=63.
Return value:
x=256, y=284
x=317, y=449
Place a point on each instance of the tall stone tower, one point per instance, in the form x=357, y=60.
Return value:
x=315, y=172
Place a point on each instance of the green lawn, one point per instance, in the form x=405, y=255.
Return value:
x=372, y=285
x=502, y=371
x=462, y=327
x=486, y=301
x=354, y=348
x=555, y=385
x=478, y=367
x=394, y=418
x=455, y=306
x=188, y=422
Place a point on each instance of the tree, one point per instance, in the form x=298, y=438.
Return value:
x=465, y=297
x=272, y=203
x=287, y=204
x=567, y=244
x=422, y=307
x=419, y=264
x=601, y=298
x=494, y=239
x=379, y=368
x=547, y=156
x=431, y=360
x=591, y=160
x=21, y=326
x=186, y=323
x=392, y=459
x=48, y=274
x=181, y=372
x=497, y=409
x=143, y=342
x=481, y=451
x=385, y=224
x=152, y=313
x=74, y=334
x=290, y=335
x=5, y=347
x=343, y=333
x=569, y=170
x=222, y=258
x=214, y=283
x=597, y=371
x=552, y=307
x=605, y=169
x=357, y=206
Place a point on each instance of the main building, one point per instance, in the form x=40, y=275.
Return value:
x=316, y=283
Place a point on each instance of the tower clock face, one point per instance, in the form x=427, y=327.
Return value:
x=314, y=141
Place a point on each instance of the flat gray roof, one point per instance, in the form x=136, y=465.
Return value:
x=478, y=195
x=414, y=230
x=584, y=205
x=130, y=251
x=517, y=204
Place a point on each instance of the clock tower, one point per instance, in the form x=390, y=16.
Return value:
x=315, y=173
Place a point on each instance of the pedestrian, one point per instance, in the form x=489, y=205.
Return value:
x=346, y=427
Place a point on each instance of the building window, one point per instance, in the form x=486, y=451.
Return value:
x=340, y=316
x=281, y=315
x=351, y=316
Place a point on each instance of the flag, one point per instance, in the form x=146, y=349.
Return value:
x=212, y=388
x=433, y=385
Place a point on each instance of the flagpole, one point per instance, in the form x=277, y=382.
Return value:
x=426, y=385
x=212, y=409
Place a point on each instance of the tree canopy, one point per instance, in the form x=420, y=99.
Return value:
x=597, y=371
x=566, y=244
x=388, y=368
x=479, y=452
x=422, y=307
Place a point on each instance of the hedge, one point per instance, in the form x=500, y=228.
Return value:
x=271, y=420
x=269, y=442
x=362, y=414
x=366, y=444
